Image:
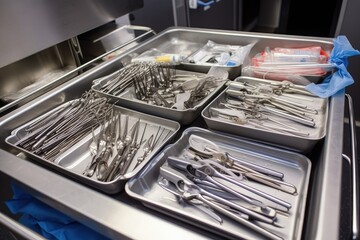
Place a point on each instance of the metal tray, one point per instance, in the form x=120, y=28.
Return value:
x=74, y=161
x=295, y=167
x=174, y=40
x=128, y=99
x=302, y=144
x=324, y=190
x=172, y=47
x=183, y=49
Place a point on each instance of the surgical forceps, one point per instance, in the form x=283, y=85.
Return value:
x=150, y=145
x=102, y=149
x=203, y=174
x=290, y=110
x=123, y=147
x=281, y=88
x=56, y=132
x=165, y=184
x=189, y=191
x=207, y=172
x=256, y=120
x=133, y=148
x=208, y=149
x=202, y=146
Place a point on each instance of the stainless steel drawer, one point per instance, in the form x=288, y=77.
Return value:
x=119, y=216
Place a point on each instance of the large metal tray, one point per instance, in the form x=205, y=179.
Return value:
x=302, y=144
x=128, y=99
x=74, y=160
x=295, y=167
x=175, y=40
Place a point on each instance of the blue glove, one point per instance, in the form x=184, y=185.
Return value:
x=341, y=78
x=47, y=221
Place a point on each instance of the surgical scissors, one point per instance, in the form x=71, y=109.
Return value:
x=255, y=120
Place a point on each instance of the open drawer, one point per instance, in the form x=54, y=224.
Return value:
x=119, y=216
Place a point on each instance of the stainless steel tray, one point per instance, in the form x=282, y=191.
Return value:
x=295, y=167
x=173, y=47
x=324, y=190
x=74, y=160
x=234, y=71
x=302, y=144
x=128, y=99
x=182, y=49
x=174, y=40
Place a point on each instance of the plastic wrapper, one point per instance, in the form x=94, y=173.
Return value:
x=298, y=65
x=214, y=54
x=156, y=56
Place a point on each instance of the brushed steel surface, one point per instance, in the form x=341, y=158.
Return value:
x=128, y=99
x=114, y=216
x=323, y=219
x=120, y=217
x=27, y=79
x=354, y=170
x=74, y=161
x=296, y=169
x=18, y=228
x=303, y=144
x=31, y=26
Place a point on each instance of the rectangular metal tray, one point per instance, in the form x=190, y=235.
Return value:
x=184, y=49
x=175, y=40
x=324, y=190
x=295, y=167
x=128, y=99
x=302, y=144
x=74, y=161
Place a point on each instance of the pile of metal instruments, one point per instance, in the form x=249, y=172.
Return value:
x=273, y=107
x=57, y=131
x=214, y=181
x=160, y=84
x=114, y=146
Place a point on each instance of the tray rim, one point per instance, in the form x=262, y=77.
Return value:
x=171, y=212
x=312, y=140
x=107, y=187
x=171, y=113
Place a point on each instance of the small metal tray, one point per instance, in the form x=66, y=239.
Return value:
x=74, y=161
x=128, y=99
x=175, y=46
x=296, y=169
x=185, y=49
x=303, y=144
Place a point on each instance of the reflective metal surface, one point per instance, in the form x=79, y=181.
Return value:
x=119, y=216
x=31, y=26
x=324, y=210
x=18, y=228
x=295, y=167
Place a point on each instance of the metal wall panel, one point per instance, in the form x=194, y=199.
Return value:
x=28, y=27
